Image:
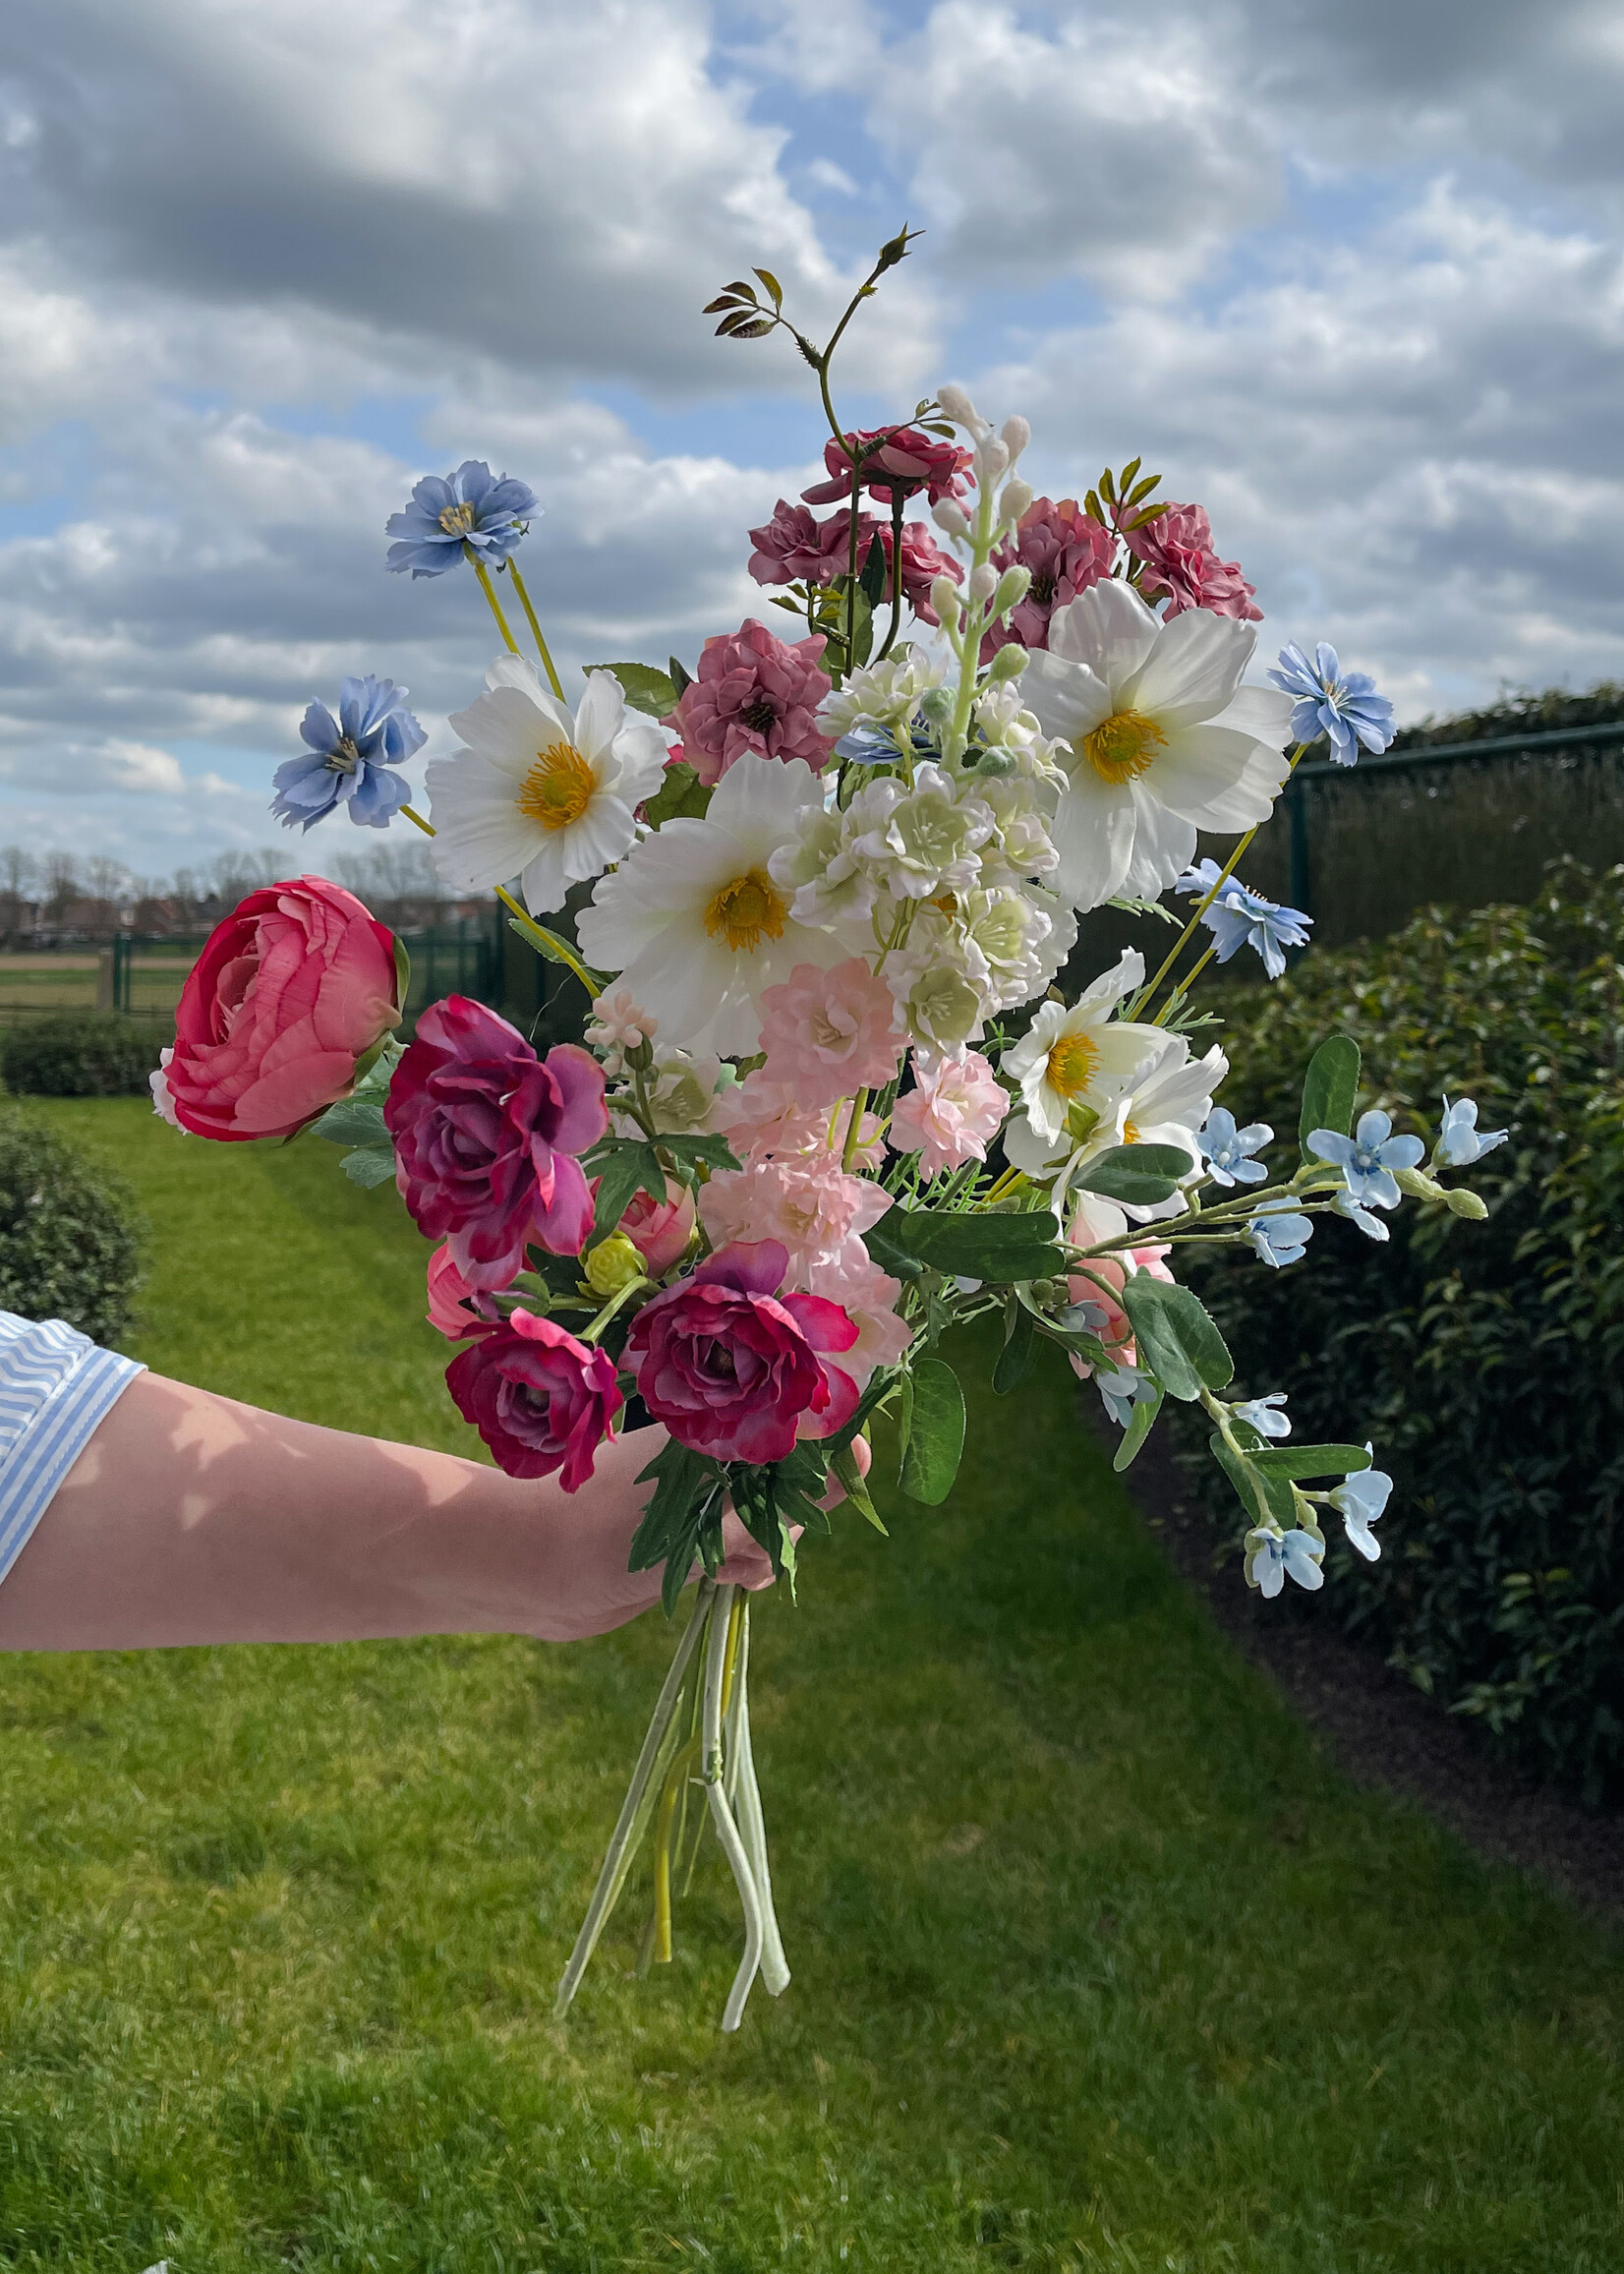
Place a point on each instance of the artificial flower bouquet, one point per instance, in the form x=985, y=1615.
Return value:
x=839, y=1094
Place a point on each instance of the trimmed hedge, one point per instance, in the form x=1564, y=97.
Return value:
x=1484, y=1360
x=69, y=1245
x=79, y=1054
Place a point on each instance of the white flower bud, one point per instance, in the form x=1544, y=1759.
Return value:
x=950, y=518
x=983, y=582
x=1009, y=662
x=1461, y=1203
x=956, y=405
x=1013, y=587
x=991, y=458
x=1018, y=496
x=943, y=599
x=1016, y=434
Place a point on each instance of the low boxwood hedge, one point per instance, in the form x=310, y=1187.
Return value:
x=79, y=1054
x=69, y=1243
x=1483, y=1359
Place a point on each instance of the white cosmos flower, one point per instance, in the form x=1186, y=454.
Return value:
x=1081, y=1057
x=692, y=918
x=539, y=795
x=1157, y=737
x=1167, y=1101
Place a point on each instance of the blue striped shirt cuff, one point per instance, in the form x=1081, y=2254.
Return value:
x=55, y=1386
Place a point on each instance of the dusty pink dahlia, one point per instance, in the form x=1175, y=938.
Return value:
x=1067, y=552
x=1182, y=567
x=752, y=692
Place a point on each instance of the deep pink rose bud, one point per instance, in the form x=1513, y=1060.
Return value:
x=296, y=986
x=540, y=1399
x=752, y=692
x=735, y=1369
x=485, y=1137
x=659, y=1230
x=907, y=460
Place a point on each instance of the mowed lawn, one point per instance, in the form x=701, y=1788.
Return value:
x=1098, y=1963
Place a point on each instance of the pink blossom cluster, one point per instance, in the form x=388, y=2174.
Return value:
x=830, y=1032
x=752, y=692
x=1067, y=550
x=1182, y=567
x=796, y=547
x=953, y=1112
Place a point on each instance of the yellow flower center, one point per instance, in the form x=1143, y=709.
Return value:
x=1120, y=749
x=1071, y=1064
x=746, y=911
x=456, y=520
x=558, y=788
x=1129, y=1134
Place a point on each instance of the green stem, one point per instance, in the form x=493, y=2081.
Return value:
x=853, y=1128
x=410, y=813
x=1186, y=984
x=489, y=592
x=898, y=500
x=621, y=1295
x=542, y=648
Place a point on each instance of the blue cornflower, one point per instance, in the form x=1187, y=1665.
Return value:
x=345, y=757
x=1347, y=709
x=1459, y=1142
x=869, y=745
x=1359, y=1501
x=1239, y=918
x=471, y=508
x=1369, y=1158
x=1267, y=1415
x=1371, y=1226
x=1279, y=1234
x=1271, y=1555
x=1228, y=1150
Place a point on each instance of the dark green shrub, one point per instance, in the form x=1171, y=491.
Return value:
x=68, y=1242
x=79, y=1054
x=1484, y=1360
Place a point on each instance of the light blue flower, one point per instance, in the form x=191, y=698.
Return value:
x=869, y=745
x=1239, y=918
x=1271, y=1555
x=1459, y=1142
x=344, y=761
x=1371, y=1226
x=1279, y=1234
x=1347, y=707
x=1227, y=1150
x=1123, y=1387
x=1267, y=1415
x=1368, y=1157
x=471, y=508
x=1359, y=1501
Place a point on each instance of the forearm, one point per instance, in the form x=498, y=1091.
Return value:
x=190, y=1518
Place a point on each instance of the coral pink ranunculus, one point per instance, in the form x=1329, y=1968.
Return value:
x=1095, y=1220
x=951, y=1113
x=295, y=986
x=735, y=1369
x=908, y=460
x=827, y=1034
x=485, y=1137
x=1067, y=552
x=659, y=1230
x=1182, y=567
x=807, y=1205
x=457, y=1309
x=540, y=1399
x=752, y=692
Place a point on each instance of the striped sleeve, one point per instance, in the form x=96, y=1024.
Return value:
x=55, y=1386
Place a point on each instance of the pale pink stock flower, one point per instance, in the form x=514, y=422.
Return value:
x=1095, y=1220
x=951, y=1113
x=761, y=1118
x=619, y=1024
x=810, y=1206
x=828, y=1034
x=869, y=1298
x=1182, y=567
x=752, y=693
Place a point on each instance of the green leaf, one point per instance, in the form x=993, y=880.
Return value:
x=935, y=1432
x=1177, y=1339
x=888, y=1255
x=772, y=285
x=1141, y=1175
x=843, y=1462
x=1003, y=1249
x=684, y=1508
x=1248, y=1486
x=1138, y=1428
x=681, y=677
x=370, y=1165
x=872, y=582
x=627, y=1171
x=1310, y=1460
x=697, y=1145
x=557, y=950
x=354, y=1121
x=1329, y=1089
x=645, y=688
x=681, y=795
x=403, y=972
x=1017, y=1354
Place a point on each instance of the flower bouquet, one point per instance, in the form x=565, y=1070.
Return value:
x=842, y=1091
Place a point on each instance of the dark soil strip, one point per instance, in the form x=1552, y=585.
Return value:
x=1381, y=1730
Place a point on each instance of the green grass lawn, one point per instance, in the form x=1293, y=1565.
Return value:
x=1098, y=1963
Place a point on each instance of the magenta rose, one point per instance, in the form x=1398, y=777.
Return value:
x=540, y=1399
x=735, y=1369
x=1067, y=552
x=1182, y=567
x=906, y=460
x=296, y=986
x=752, y=692
x=457, y=1309
x=485, y=1137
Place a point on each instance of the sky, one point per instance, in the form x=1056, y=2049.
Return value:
x=1349, y=276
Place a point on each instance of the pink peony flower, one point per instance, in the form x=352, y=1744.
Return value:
x=951, y=1113
x=485, y=1137
x=796, y=546
x=1095, y=1220
x=735, y=1369
x=1067, y=552
x=457, y=1309
x=907, y=460
x=808, y=1205
x=1182, y=568
x=291, y=990
x=869, y=1297
x=659, y=1230
x=828, y=1034
x=752, y=693
x=540, y=1399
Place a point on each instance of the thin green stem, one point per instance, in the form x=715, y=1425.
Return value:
x=489, y=592
x=621, y=1297
x=853, y=1128
x=898, y=500
x=542, y=648
x=410, y=813
x=1186, y=984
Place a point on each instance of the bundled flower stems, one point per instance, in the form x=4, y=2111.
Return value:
x=843, y=1091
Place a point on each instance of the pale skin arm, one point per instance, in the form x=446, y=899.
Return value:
x=190, y=1518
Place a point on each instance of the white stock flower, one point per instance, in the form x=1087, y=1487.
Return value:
x=1020, y=844
x=821, y=871
x=887, y=693
x=1082, y=1059
x=1157, y=738
x=539, y=795
x=941, y=980
x=692, y=918
x=918, y=842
